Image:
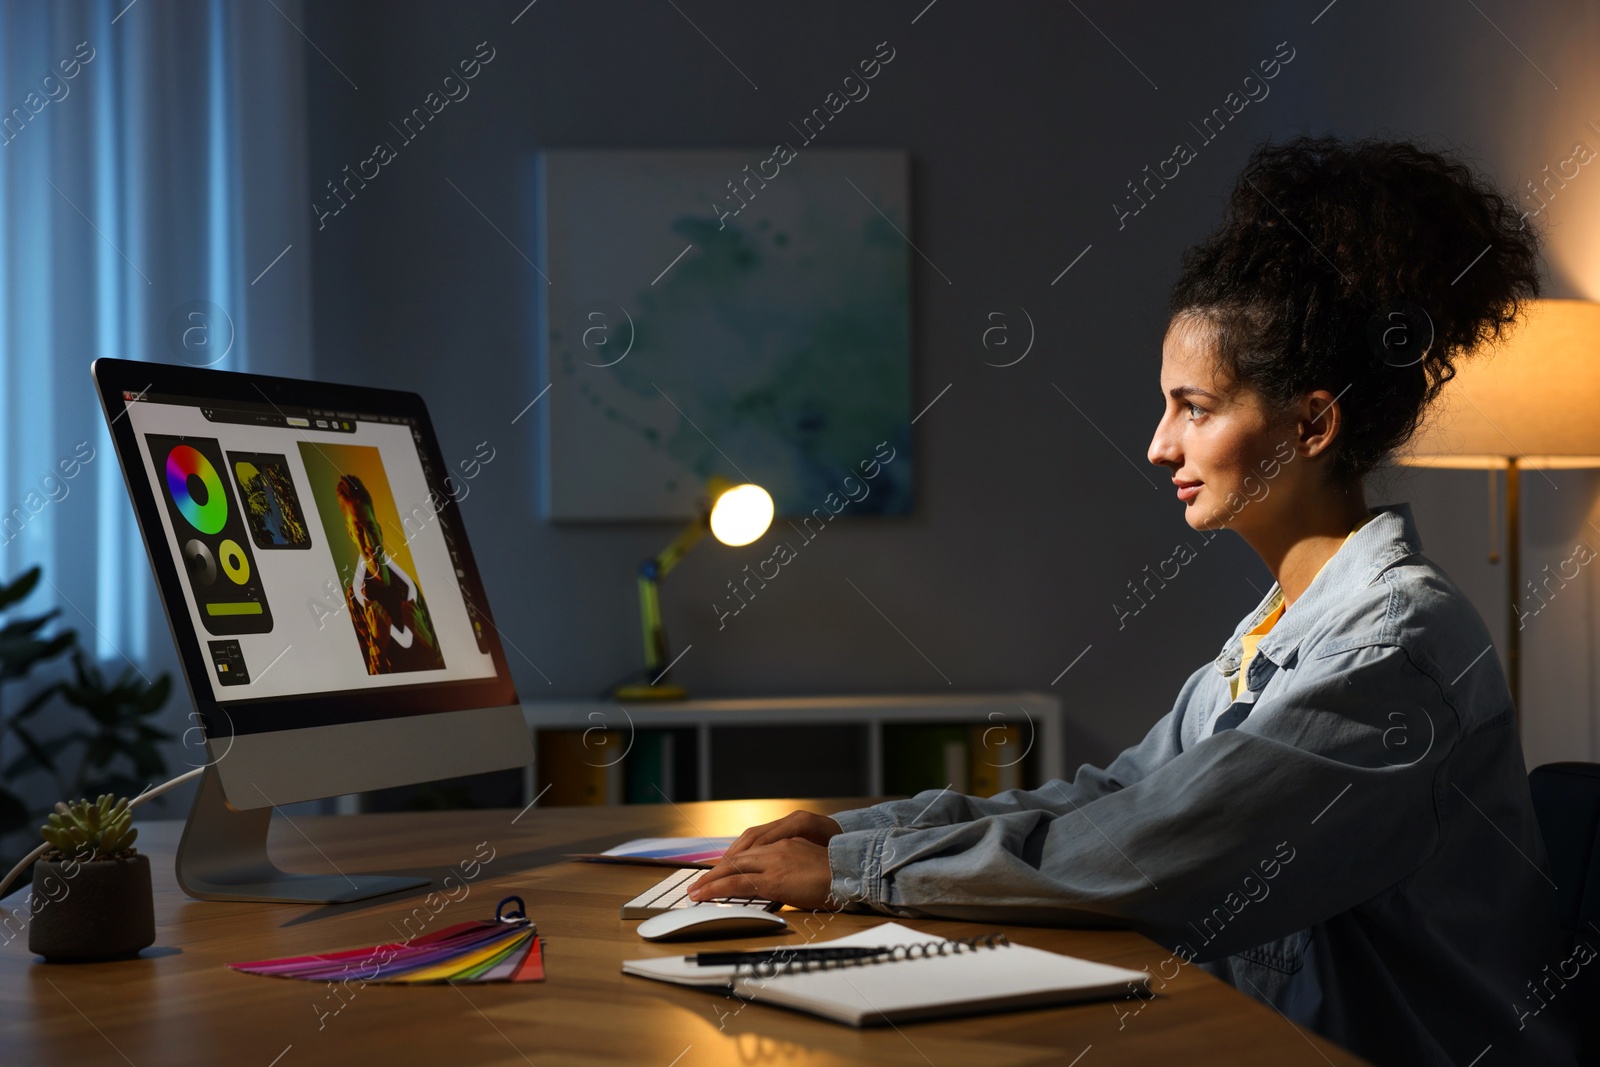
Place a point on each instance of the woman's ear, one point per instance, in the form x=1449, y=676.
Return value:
x=1318, y=424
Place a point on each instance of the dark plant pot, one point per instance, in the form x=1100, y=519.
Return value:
x=101, y=910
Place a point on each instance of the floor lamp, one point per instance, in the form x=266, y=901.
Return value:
x=1530, y=403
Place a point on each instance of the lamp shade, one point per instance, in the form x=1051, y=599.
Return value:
x=741, y=514
x=1531, y=398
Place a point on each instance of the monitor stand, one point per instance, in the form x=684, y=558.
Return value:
x=223, y=856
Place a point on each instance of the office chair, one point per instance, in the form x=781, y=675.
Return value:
x=1566, y=801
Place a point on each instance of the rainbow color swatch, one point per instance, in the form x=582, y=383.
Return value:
x=484, y=950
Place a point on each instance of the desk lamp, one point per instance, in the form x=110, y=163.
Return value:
x=736, y=515
x=1527, y=405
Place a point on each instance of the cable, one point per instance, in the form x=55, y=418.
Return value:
x=152, y=793
x=148, y=794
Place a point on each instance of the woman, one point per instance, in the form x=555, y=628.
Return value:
x=1334, y=817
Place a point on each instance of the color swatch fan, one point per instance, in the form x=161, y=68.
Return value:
x=503, y=949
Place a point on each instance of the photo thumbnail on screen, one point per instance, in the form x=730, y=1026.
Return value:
x=362, y=525
x=271, y=505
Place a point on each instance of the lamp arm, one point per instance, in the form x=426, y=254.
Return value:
x=690, y=536
x=651, y=571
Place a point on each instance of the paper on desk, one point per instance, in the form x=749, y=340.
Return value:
x=929, y=986
x=663, y=852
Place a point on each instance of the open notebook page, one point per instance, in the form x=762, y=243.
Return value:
x=877, y=992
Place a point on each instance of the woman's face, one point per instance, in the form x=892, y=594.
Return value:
x=1230, y=460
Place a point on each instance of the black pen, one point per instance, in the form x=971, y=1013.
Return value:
x=784, y=955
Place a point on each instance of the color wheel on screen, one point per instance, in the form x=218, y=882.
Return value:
x=184, y=462
x=212, y=542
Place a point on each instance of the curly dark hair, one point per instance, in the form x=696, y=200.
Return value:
x=1326, y=246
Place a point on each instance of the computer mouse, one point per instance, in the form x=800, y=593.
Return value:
x=700, y=921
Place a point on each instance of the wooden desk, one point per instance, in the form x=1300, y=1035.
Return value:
x=180, y=1004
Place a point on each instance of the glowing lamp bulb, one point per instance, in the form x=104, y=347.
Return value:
x=741, y=515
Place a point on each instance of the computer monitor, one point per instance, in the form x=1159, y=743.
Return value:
x=330, y=619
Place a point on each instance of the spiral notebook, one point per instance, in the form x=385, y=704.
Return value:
x=927, y=978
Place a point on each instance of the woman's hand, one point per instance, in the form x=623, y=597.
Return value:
x=754, y=858
x=793, y=871
x=806, y=825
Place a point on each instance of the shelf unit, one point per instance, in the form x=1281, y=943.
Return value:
x=1038, y=714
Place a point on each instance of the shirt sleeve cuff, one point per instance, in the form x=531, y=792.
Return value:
x=855, y=862
x=873, y=818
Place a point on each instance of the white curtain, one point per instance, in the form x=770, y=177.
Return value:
x=152, y=206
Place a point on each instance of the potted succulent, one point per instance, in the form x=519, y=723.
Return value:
x=91, y=890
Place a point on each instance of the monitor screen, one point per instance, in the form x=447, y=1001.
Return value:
x=308, y=545
x=312, y=559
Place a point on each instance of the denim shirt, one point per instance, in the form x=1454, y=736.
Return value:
x=1352, y=841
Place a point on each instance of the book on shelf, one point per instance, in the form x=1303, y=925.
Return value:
x=924, y=756
x=979, y=759
x=578, y=767
x=650, y=768
x=995, y=752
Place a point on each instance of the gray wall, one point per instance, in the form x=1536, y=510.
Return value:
x=1024, y=123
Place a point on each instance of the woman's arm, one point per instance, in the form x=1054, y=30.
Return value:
x=1300, y=813
x=941, y=807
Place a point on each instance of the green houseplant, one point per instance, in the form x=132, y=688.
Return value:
x=91, y=891
x=23, y=646
x=111, y=748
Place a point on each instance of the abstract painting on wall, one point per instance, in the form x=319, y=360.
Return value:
x=740, y=313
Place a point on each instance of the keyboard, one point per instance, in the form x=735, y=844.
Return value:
x=673, y=892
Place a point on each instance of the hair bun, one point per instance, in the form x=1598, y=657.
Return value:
x=1343, y=265
x=1400, y=334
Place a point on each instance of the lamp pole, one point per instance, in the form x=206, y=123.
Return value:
x=1513, y=592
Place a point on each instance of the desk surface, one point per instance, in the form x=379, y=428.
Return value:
x=179, y=1004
